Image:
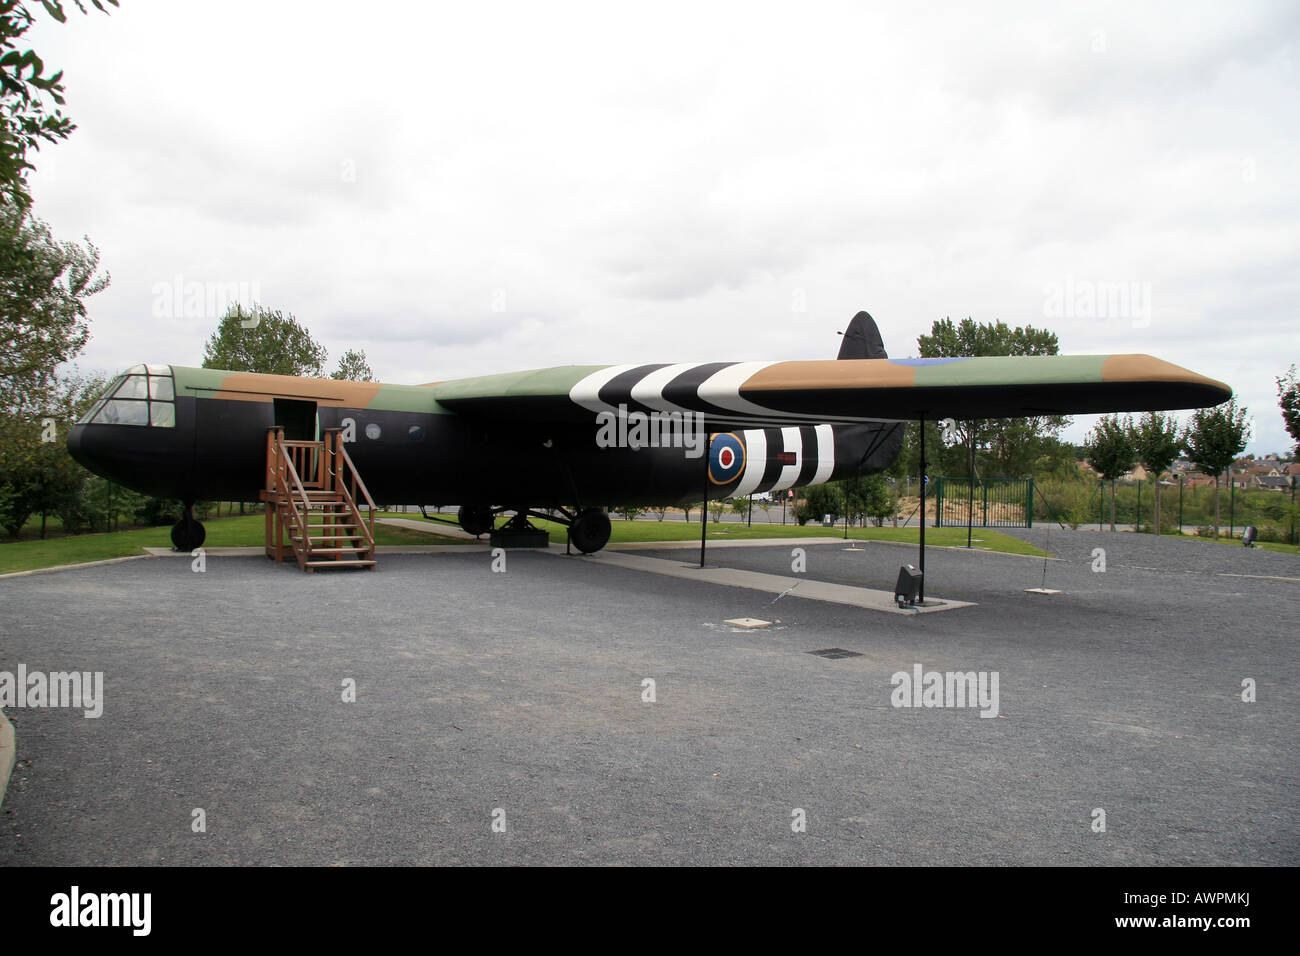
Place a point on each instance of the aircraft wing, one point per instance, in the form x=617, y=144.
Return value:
x=753, y=394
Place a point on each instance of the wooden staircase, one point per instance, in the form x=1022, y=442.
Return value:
x=314, y=500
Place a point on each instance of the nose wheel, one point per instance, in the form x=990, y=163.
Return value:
x=590, y=530
x=188, y=533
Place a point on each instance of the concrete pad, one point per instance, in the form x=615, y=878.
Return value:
x=380, y=549
x=72, y=567
x=429, y=527
x=779, y=585
x=230, y=552
x=715, y=543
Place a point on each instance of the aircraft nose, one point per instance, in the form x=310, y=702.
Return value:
x=148, y=460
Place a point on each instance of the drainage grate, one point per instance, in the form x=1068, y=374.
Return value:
x=835, y=653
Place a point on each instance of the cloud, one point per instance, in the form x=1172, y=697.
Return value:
x=465, y=190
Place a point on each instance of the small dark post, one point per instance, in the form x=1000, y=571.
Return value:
x=1180, y=504
x=1138, y=527
x=749, y=519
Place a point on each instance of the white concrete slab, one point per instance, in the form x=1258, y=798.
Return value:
x=805, y=588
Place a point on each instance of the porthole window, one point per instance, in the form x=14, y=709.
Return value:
x=415, y=433
x=373, y=431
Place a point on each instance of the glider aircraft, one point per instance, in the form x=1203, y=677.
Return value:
x=566, y=442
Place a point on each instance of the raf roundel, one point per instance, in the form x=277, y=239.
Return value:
x=726, y=459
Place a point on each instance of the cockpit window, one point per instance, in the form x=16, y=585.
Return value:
x=135, y=386
x=142, y=395
x=122, y=412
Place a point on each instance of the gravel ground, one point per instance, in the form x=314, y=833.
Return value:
x=522, y=692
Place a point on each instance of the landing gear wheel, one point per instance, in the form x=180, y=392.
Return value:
x=188, y=534
x=590, y=530
x=475, y=519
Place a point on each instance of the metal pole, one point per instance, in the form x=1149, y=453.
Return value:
x=921, y=590
x=749, y=519
x=846, y=509
x=1232, y=501
x=970, y=498
x=704, y=514
x=1138, y=527
x=1293, y=509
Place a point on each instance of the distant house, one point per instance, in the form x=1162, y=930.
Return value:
x=1273, y=482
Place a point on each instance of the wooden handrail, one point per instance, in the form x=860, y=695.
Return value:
x=346, y=480
x=282, y=470
x=302, y=475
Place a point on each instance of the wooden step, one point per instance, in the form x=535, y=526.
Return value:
x=348, y=550
x=312, y=565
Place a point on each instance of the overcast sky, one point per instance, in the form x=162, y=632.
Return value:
x=463, y=189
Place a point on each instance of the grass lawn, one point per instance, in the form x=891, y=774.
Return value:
x=238, y=531
x=249, y=531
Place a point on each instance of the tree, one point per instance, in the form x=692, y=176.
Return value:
x=24, y=90
x=819, y=501
x=1111, y=450
x=1288, y=395
x=36, y=472
x=1214, y=438
x=1157, y=444
x=259, y=340
x=43, y=307
x=353, y=367
x=1014, y=444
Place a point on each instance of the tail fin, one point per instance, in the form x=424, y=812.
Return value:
x=865, y=449
x=862, y=339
